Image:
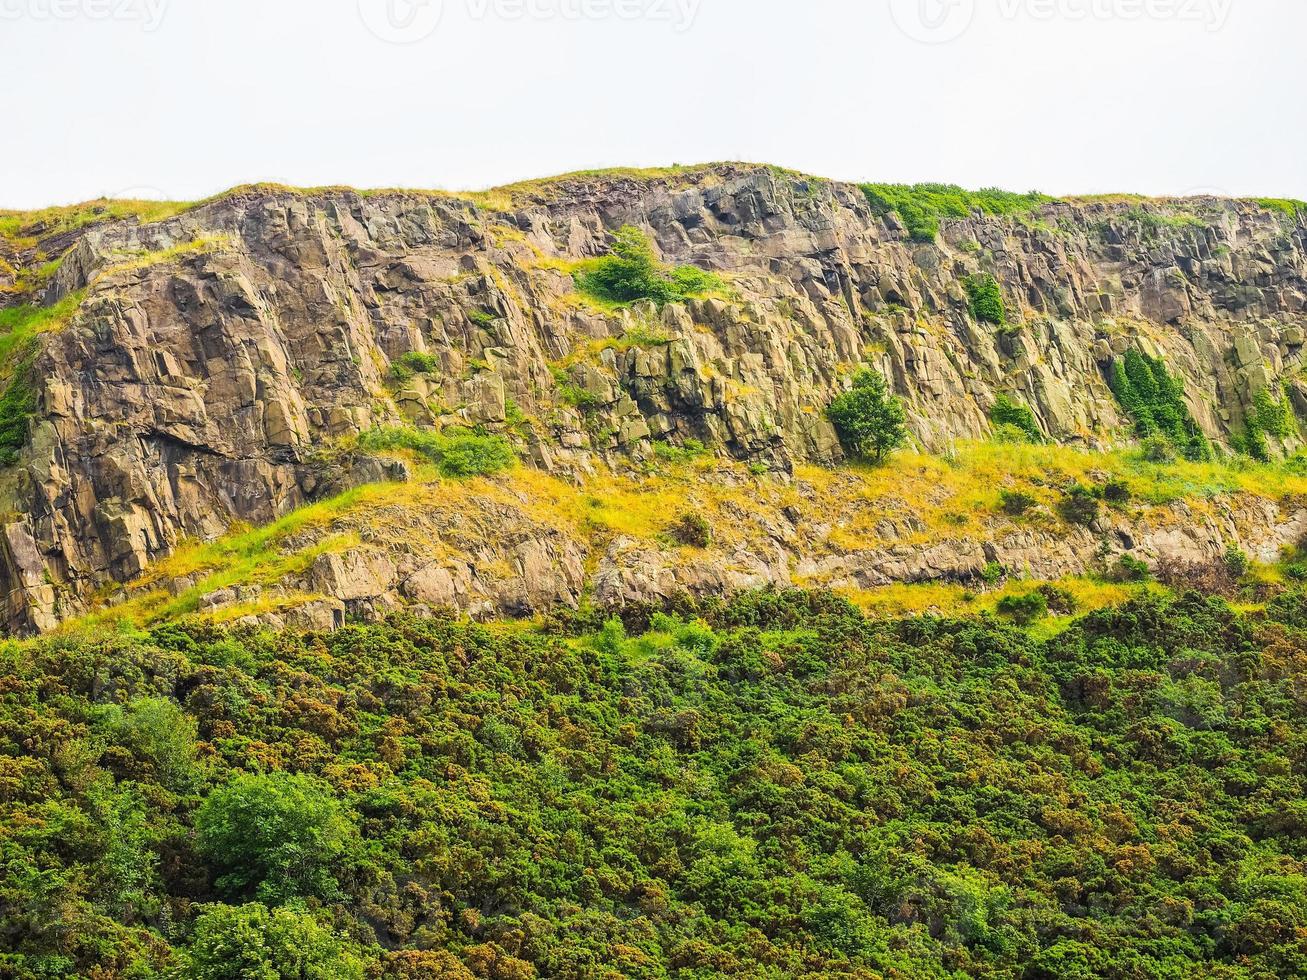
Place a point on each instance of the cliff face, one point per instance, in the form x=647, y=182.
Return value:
x=216, y=357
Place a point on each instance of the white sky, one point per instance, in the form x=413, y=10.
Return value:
x=1064, y=96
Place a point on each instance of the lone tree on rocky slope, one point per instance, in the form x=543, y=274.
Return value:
x=869, y=420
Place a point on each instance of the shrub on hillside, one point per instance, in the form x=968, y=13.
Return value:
x=633, y=273
x=1007, y=412
x=461, y=454
x=1154, y=399
x=922, y=206
x=273, y=837
x=1015, y=503
x=869, y=420
x=1025, y=609
x=1079, y=506
x=253, y=941
x=985, y=299
x=691, y=530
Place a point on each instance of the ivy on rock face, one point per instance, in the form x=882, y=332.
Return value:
x=771, y=787
x=1154, y=399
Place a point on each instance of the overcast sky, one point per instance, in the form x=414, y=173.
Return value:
x=183, y=98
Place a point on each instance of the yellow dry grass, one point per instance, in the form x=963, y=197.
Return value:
x=839, y=510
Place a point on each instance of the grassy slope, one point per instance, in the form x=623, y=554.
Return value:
x=955, y=499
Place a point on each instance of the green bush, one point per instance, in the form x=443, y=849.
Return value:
x=1079, y=505
x=1026, y=609
x=1237, y=561
x=1154, y=399
x=273, y=837
x=1116, y=492
x=1130, y=569
x=253, y=942
x=633, y=273
x=1061, y=602
x=458, y=455
x=690, y=449
x=413, y=362
x=1158, y=449
x=691, y=530
x=18, y=405
x=921, y=206
x=985, y=299
x=1006, y=412
x=869, y=421
x=1269, y=418
x=1015, y=503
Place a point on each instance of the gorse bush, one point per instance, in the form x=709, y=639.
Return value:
x=461, y=454
x=868, y=419
x=921, y=206
x=1154, y=399
x=1024, y=609
x=775, y=780
x=985, y=299
x=1016, y=503
x=633, y=273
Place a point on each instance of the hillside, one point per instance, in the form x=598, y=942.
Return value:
x=179, y=372
x=705, y=572
x=776, y=789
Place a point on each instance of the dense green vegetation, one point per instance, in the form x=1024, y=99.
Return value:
x=1009, y=414
x=985, y=299
x=868, y=418
x=1285, y=207
x=777, y=788
x=18, y=403
x=1271, y=417
x=633, y=273
x=1154, y=398
x=921, y=206
x=456, y=454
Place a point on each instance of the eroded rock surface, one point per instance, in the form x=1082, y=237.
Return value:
x=218, y=356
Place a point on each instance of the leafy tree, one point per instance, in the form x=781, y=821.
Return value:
x=869, y=420
x=253, y=942
x=274, y=837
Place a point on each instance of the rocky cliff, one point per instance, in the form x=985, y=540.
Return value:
x=215, y=365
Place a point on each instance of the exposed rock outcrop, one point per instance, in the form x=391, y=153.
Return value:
x=219, y=355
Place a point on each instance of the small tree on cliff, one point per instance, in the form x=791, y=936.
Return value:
x=869, y=420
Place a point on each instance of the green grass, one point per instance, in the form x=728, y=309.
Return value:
x=23, y=225
x=455, y=456
x=21, y=324
x=923, y=206
x=1286, y=207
